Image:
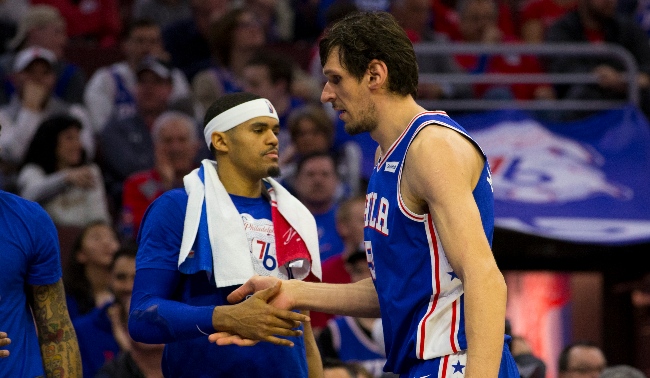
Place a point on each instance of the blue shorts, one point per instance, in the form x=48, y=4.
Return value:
x=453, y=366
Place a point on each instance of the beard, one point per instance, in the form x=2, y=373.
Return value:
x=273, y=171
x=367, y=121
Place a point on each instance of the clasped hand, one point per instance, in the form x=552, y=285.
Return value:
x=264, y=316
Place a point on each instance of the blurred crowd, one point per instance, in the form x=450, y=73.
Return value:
x=96, y=145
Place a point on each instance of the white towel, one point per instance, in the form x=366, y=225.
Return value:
x=231, y=261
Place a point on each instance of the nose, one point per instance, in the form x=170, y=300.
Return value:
x=327, y=95
x=273, y=139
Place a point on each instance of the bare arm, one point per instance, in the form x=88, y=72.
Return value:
x=441, y=170
x=314, y=362
x=56, y=335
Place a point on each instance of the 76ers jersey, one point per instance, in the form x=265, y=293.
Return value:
x=420, y=296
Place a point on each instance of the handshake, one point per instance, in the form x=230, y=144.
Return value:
x=261, y=311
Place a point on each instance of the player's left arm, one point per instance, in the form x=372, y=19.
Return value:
x=441, y=170
x=56, y=335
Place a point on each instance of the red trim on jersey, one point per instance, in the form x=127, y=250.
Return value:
x=436, y=274
x=396, y=142
x=445, y=363
x=452, y=338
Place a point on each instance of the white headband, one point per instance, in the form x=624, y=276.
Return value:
x=232, y=117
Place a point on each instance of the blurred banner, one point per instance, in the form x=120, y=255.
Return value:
x=586, y=181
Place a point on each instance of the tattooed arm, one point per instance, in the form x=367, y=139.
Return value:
x=56, y=335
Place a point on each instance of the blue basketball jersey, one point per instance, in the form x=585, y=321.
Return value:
x=420, y=296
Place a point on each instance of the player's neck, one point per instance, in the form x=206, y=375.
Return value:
x=394, y=114
x=238, y=183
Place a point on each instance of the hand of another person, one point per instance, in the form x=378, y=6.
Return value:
x=118, y=327
x=4, y=341
x=254, y=319
x=33, y=96
x=609, y=78
x=82, y=177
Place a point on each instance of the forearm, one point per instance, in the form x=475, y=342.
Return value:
x=155, y=319
x=314, y=362
x=485, y=311
x=56, y=335
x=358, y=299
x=36, y=186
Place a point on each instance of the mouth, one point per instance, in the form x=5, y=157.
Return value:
x=273, y=154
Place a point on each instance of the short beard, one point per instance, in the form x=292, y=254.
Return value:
x=273, y=172
x=367, y=123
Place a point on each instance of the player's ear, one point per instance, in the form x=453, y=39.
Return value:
x=377, y=74
x=220, y=141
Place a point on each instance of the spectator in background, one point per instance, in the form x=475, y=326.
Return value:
x=350, y=226
x=57, y=175
x=162, y=12
x=536, y=16
x=33, y=312
x=270, y=75
x=234, y=40
x=529, y=365
x=312, y=131
x=334, y=368
x=88, y=275
x=478, y=24
x=126, y=144
x=43, y=26
x=187, y=40
x=622, y=371
x=34, y=100
x=110, y=93
x=176, y=145
x=415, y=18
x=596, y=21
x=316, y=186
x=350, y=339
x=94, y=21
x=581, y=359
x=446, y=18
x=103, y=337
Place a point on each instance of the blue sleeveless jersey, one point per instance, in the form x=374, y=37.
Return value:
x=420, y=296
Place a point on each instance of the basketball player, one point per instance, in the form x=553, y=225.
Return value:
x=428, y=217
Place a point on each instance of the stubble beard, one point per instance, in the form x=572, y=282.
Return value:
x=367, y=121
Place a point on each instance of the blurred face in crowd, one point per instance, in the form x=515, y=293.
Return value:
x=98, y=246
x=351, y=226
x=176, y=144
x=252, y=147
x=51, y=36
x=207, y=11
x=69, y=148
x=122, y=277
x=476, y=18
x=412, y=14
x=40, y=73
x=316, y=182
x=584, y=362
x=143, y=41
x=309, y=138
x=249, y=33
x=257, y=80
x=152, y=92
x=601, y=10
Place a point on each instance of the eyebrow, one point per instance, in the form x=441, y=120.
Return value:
x=264, y=124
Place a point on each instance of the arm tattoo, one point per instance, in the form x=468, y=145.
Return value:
x=56, y=336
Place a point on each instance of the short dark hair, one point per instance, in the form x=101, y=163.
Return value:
x=42, y=149
x=223, y=103
x=563, y=360
x=333, y=363
x=364, y=36
x=314, y=113
x=128, y=249
x=280, y=68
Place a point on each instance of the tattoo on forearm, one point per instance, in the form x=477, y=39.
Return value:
x=58, y=340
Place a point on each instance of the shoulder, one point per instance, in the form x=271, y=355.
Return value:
x=172, y=202
x=20, y=207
